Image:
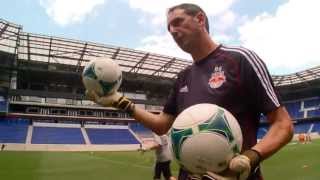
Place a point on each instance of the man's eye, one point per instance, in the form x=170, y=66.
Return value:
x=177, y=22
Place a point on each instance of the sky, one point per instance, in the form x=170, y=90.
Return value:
x=284, y=33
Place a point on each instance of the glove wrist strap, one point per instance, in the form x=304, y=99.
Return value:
x=254, y=157
x=130, y=109
x=125, y=104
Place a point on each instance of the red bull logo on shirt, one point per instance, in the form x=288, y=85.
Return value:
x=217, y=78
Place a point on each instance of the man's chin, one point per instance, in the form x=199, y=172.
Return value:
x=185, y=48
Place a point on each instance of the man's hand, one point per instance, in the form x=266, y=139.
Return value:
x=142, y=149
x=107, y=101
x=240, y=168
x=114, y=100
x=245, y=163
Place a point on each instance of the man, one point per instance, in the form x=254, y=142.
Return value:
x=2, y=147
x=163, y=157
x=302, y=138
x=232, y=77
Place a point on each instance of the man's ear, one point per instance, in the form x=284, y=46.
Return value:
x=201, y=18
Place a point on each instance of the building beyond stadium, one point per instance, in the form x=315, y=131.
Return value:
x=40, y=81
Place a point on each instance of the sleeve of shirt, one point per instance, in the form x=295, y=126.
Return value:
x=157, y=139
x=258, y=83
x=171, y=106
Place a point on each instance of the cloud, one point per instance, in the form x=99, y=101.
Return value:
x=157, y=11
x=224, y=21
x=154, y=14
x=211, y=7
x=162, y=44
x=287, y=41
x=65, y=12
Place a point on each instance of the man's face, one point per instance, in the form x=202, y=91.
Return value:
x=183, y=28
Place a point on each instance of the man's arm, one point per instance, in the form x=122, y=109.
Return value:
x=152, y=146
x=279, y=134
x=258, y=83
x=158, y=123
x=147, y=147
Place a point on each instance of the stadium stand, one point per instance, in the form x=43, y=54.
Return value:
x=40, y=80
x=293, y=109
x=316, y=127
x=304, y=108
x=55, y=135
x=140, y=130
x=262, y=132
x=3, y=105
x=111, y=136
x=302, y=128
x=13, y=130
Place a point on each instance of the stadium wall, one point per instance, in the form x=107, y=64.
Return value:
x=66, y=147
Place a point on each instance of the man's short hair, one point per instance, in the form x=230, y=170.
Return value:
x=192, y=10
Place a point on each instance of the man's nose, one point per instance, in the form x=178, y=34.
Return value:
x=174, y=34
x=173, y=31
x=171, y=28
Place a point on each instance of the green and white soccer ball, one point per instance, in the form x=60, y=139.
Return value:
x=102, y=75
x=204, y=138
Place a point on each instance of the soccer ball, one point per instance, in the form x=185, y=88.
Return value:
x=102, y=75
x=205, y=137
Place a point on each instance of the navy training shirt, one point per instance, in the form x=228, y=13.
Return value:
x=234, y=78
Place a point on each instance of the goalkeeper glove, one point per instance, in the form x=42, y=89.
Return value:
x=213, y=176
x=114, y=100
x=240, y=167
x=245, y=163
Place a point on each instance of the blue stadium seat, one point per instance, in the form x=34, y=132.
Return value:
x=3, y=105
x=13, y=130
x=140, y=130
x=312, y=102
x=54, y=135
x=316, y=127
x=262, y=132
x=111, y=136
x=293, y=109
x=302, y=128
x=314, y=113
x=137, y=127
x=296, y=109
x=315, y=104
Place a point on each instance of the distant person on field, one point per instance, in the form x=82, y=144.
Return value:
x=302, y=138
x=163, y=157
x=2, y=147
x=308, y=138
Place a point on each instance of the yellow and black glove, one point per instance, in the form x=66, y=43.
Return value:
x=214, y=176
x=245, y=163
x=240, y=167
x=115, y=100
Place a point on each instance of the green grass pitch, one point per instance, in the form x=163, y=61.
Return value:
x=294, y=162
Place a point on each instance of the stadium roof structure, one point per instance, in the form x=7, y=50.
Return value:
x=298, y=77
x=55, y=50
x=48, y=49
x=9, y=34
